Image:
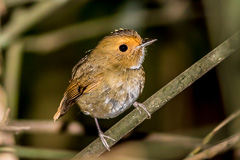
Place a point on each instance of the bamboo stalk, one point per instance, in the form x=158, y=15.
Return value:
x=12, y=76
x=216, y=149
x=59, y=38
x=23, y=20
x=210, y=135
x=37, y=153
x=48, y=126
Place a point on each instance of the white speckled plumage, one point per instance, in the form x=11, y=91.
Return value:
x=107, y=104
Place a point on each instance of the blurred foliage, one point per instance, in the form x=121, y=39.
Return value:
x=56, y=34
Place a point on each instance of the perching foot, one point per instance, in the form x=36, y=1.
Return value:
x=102, y=136
x=140, y=105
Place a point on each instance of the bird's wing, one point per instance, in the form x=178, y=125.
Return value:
x=75, y=68
x=75, y=89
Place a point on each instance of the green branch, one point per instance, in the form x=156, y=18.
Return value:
x=95, y=27
x=221, y=147
x=37, y=153
x=156, y=101
x=210, y=135
x=22, y=20
x=13, y=75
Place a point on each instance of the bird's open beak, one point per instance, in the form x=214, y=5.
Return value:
x=146, y=42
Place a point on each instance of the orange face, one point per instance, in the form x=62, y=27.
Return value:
x=121, y=50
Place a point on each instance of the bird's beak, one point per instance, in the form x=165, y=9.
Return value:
x=146, y=42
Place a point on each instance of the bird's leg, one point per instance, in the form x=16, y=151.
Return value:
x=102, y=136
x=140, y=105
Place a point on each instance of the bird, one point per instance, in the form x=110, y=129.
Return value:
x=109, y=79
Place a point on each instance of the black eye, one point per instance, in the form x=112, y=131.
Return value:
x=123, y=47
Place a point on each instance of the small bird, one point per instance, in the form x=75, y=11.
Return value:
x=109, y=80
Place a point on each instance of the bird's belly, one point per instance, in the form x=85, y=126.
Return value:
x=111, y=100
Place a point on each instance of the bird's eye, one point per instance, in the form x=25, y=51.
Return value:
x=123, y=48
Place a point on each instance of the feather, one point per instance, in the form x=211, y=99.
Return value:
x=74, y=90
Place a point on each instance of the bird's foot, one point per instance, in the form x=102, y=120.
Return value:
x=102, y=137
x=140, y=105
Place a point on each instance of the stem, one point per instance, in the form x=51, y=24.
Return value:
x=48, y=126
x=23, y=20
x=95, y=27
x=37, y=153
x=216, y=149
x=12, y=76
x=213, y=132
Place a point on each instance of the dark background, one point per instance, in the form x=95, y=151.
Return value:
x=186, y=31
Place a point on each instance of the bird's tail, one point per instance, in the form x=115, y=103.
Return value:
x=64, y=106
x=71, y=94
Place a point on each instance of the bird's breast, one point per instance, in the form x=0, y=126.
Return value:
x=116, y=93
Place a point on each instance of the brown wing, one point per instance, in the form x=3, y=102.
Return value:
x=75, y=89
x=75, y=68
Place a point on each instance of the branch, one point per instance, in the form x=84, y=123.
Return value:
x=213, y=132
x=216, y=149
x=5, y=127
x=13, y=128
x=13, y=75
x=57, y=39
x=156, y=101
x=14, y=3
x=35, y=126
x=37, y=153
x=25, y=19
x=159, y=146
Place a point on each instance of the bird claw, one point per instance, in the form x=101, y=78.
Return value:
x=140, y=105
x=102, y=137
